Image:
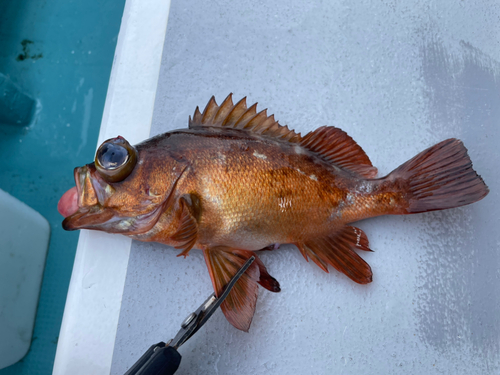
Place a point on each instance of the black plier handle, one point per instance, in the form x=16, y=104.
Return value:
x=159, y=359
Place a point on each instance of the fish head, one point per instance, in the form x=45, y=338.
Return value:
x=125, y=190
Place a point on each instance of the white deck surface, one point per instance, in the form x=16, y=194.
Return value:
x=90, y=320
x=398, y=77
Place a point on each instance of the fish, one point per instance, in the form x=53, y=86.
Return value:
x=236, y=181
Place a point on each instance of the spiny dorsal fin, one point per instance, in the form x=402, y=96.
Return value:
x=238, y=116
x=334, y=145
x=331, y=143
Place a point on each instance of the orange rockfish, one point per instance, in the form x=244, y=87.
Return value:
x=236, y=181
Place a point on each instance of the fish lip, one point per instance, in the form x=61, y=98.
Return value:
x=86, y=197
x=86, y=218
x=71, y=222
x=80, y=174
x=77, y=172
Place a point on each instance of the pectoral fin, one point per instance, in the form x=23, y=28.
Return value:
x=187, y=234
x=337, y=250
x=239, y=306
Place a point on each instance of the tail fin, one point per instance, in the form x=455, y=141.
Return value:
x=440, y=177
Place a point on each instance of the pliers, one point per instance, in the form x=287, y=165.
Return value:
x=164, y=359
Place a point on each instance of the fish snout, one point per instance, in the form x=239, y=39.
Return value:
x=88, y=191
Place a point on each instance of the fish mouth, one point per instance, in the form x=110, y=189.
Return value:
x=81, y=205
x=85, y=207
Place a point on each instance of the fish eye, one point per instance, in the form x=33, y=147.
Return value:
x=115, y=159
x=112, y=156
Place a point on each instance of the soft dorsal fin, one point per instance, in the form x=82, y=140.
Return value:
x=335, y=146
x=238, y=116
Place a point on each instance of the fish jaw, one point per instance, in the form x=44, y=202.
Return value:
x=82, y=205
x=85, y=206
x=108, y=220
x=77, y=196
x=130, y=207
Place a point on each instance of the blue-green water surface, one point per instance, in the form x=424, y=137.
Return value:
x=60, y=52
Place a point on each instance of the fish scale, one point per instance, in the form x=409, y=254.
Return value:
x=267, y=190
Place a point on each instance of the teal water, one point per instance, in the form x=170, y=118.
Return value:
x=60, y=52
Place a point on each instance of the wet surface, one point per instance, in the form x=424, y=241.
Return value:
x=397, y=78
x=458, y=296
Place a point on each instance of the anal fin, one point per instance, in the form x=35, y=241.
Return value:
x=239, y=305
x=337, y=250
